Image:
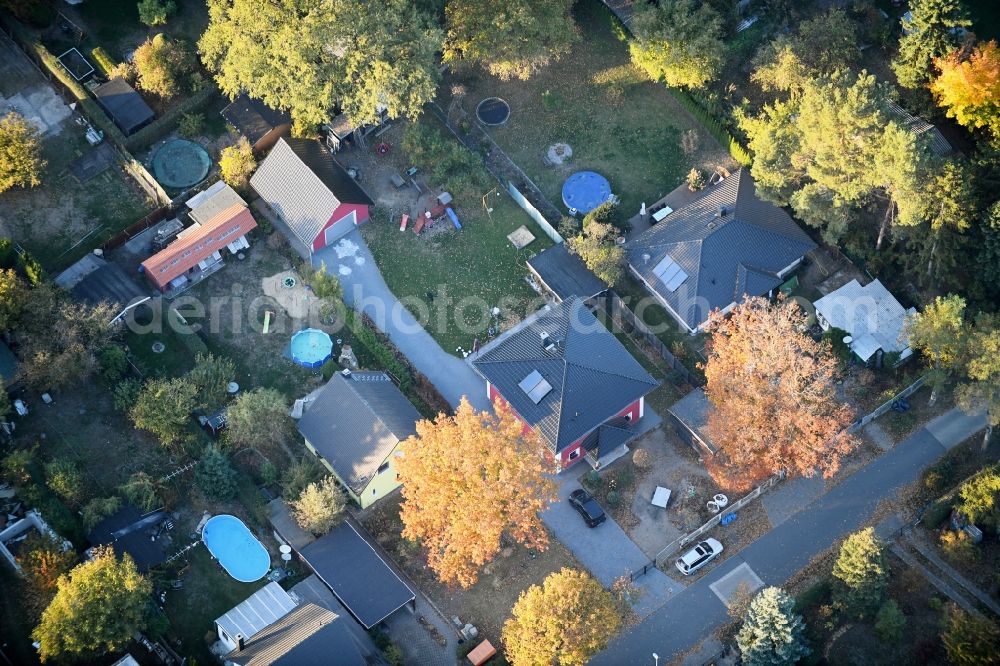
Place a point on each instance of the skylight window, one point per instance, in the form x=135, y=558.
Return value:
x=535, y=386
x=670, y=273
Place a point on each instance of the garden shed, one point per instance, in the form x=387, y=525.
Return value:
x=564, y=275
x=689, y=416
x=125, y=106
x=254, y=614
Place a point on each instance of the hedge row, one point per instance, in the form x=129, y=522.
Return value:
x=385, y=357
x=715, y=127
x=22, y=262
x=103, y=61
x=163, y=125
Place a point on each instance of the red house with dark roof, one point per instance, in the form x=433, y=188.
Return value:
x=569, y=378
x=221, y=222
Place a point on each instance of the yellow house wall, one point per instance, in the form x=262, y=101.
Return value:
x=378, y=487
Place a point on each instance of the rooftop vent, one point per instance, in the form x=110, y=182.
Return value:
x=549, y=344
x=535, y=386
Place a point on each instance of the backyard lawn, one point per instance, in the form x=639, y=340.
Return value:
x=617, y=122
x=477, y=263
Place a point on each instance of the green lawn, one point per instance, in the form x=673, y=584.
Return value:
x=617, y=122
x=114, y=24
x=477, y=263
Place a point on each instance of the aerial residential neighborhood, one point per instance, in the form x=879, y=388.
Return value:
x=539, y=332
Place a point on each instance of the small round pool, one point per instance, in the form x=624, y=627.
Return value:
x=237, y=549
x=311, y=347
x=180, y=163
x=585, y=190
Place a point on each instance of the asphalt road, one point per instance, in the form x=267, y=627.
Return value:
x=691, y=615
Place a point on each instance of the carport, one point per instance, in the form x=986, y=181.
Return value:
x=360, y=579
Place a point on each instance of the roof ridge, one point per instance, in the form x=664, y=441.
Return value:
x=363, y=399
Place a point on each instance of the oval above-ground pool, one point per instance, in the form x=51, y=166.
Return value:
x=180, y=163
x=236, y=548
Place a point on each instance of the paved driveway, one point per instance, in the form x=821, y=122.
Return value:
x=366, y=291
x=696, y=611
x=606, y=550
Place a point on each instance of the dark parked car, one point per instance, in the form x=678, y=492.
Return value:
x=587, y=507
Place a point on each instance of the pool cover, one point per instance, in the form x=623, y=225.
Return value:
x=585, y=191
x=180, y=163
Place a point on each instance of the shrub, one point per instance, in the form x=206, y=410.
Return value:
x=299, y=475
x=237, y=164
x=568, y=227
x=970, y=640
x=958, y=547
x=16, y=466
x=447, y=160
x=125, y=393
x=156, y=12
x=614, y=499
x=113, y=363
x=64, y=479
x=268, y=473
x=319, y=507
x=695, y=180
x=592, y=479
x=936, y=514
x=835, y=336
x=191, y=125
x=890, y=622
x=142, y=490
x=642, y=458
x=393, y=655
x=607, y=213
x=98, y=509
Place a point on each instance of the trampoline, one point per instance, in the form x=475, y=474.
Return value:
x=493, y=111
x=180, y=163
x=585, y=191
x=311, y=347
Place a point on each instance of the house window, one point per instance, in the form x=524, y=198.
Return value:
x=373, y=491
x=575, y=454
x=384, y=466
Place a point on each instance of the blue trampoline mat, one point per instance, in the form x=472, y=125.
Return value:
x=585, y=191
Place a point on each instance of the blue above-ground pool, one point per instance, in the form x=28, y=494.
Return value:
x=585, y=191
x=311, y=347
x=236, y=548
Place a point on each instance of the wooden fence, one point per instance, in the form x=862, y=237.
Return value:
x=680, y=542
x=630, y=323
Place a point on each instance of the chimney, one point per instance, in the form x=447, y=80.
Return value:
x=240, y=644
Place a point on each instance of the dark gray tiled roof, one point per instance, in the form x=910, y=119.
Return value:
x=725, y=256
x=368, y=587
x=252, y=118
x=938, y=144
x=307, y=635
x=565, y=274
x=692, y=411
x=127, y=107
x=592, y=375
x=355, y=423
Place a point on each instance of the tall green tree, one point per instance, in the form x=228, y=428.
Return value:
x=97, y=607
x=819, y=46
x=309, y=56
x=319, y=507
x=21, y=162
x=931, y=32
x=860, y=574
x=13, y=291
x=513, y=39
x=833, y=149
x=679, y=41
x=979, y=498
x=164, y=408
x=597, y=248
x=156, y=12
x=772, y=633
x=939, y=333
x=979, y=386
x=258, y=419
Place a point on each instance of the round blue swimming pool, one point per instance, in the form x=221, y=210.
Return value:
x=585, y=190
x=237, y=549
x=311, y=347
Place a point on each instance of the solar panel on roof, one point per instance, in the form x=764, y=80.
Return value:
x=670, y=273
x=535, y=386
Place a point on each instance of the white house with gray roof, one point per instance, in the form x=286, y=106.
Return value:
x=710, y=254
x=870, y=315
x=354, y=426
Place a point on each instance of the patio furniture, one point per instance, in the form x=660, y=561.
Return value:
x=482, y=653
x=660, y=497
x=662, y=213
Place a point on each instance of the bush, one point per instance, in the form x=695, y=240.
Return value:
x=237, y=164
x=98, y=509
x=695, y=180
x=156, y=12
x=393, y=655
x=936, y=514
x=447, y=160
x=614, y=499
x=299, y=475
x=65, y=480
x=890, y=622
x=592, y=479
x=113, y=363
x=105, y=65
x=319, y=507
x=384, y=356
x=142, y=490
x=642, y=458
x=268, y=473
x=607, y=213
x=125, y=393
x=958, y=547
x=16, y=466
x=835, y=336
x=191, y=125
x=815, y=595
x=714, y=126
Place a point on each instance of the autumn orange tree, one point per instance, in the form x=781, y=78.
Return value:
x=968, y=87
x=566, y=621
x=773, y=395
x=467, y=480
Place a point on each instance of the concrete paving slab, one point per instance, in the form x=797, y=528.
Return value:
x=954, y=427
x=725, y=587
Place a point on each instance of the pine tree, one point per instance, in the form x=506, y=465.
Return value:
x=931, y=32
x=215, y=475
x=772, y=634
x=860, y=574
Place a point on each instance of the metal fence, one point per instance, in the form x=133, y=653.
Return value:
x=533, y=212
x=886, y=406
x=630, y=323
x=682, y=541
